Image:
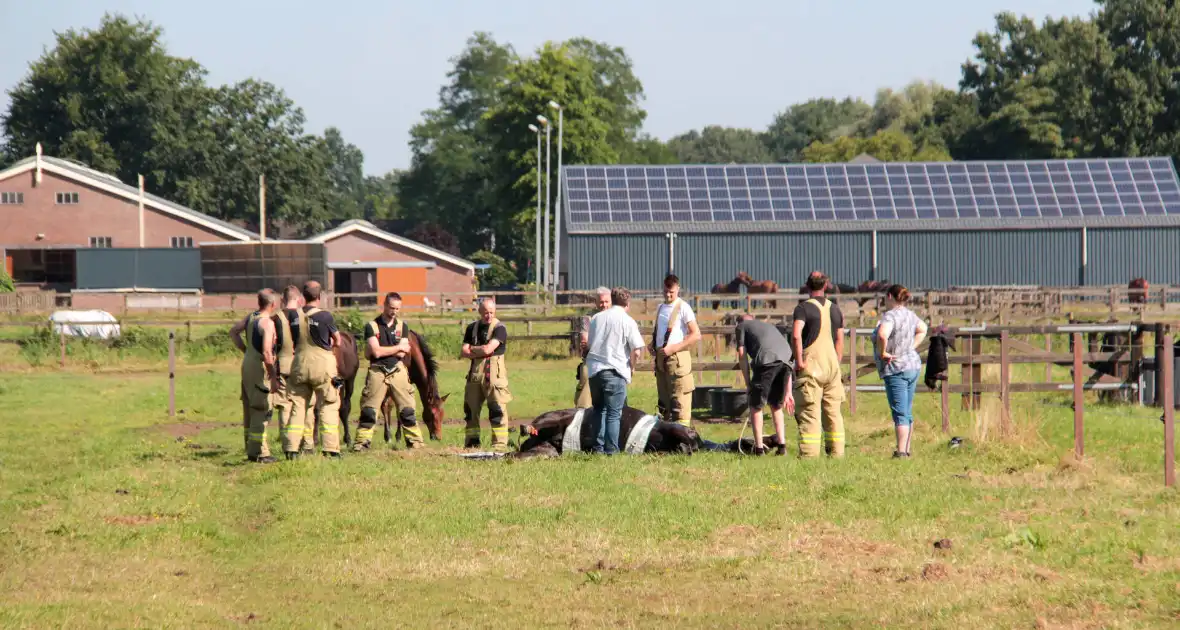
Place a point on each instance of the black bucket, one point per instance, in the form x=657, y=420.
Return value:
x=728, y=403
x=702, y=396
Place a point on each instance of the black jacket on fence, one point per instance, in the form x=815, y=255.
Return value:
x=937, y=364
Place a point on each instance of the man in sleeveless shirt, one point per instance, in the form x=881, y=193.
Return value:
x=582, y=397
x=817, y=342
x=386, y=345
x=484, y=343
x=313, y=372
x=259, y=372
x=676, y=331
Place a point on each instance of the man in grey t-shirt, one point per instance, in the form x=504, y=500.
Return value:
x=765, y=351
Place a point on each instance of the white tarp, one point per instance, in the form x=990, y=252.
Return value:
x=95, y=323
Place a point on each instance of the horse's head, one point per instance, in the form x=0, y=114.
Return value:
x=743, y=277
x=434, y=414
x=680, y=439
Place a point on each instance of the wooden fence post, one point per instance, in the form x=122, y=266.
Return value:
x=171, y=374
x=946, y=405
x=1048, y=350
x=1005, y=377
x=1079, y=429
x=1169, y=413
x=852, y=372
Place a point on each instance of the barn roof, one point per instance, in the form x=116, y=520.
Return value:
x=364, y=227
x=112, y=185
x=865, y=196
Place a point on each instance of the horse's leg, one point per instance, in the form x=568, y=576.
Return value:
x=346, y=408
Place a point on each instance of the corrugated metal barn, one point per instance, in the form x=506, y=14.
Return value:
x=1054, y=223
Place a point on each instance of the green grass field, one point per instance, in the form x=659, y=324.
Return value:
x=114, y=515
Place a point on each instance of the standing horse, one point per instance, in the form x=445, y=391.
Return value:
x=547, y=433
x=423, y=368
x=759, y=286
x=734, y=286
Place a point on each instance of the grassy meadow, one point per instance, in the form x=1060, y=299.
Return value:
x=114, y=515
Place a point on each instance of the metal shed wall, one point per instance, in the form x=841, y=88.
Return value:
x=703, y=260
x=149, y=268
x=1115, y=255
x=938, y=260
x=636, y=261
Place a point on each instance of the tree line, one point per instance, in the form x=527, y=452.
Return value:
x=1094, y=86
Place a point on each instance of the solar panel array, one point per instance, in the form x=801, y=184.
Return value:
x=1142, y=187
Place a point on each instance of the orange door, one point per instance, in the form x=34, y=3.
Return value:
x=406, y=281
x=8, y=264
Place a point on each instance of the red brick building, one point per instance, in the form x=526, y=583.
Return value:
x=363, y=258
x=50, y=207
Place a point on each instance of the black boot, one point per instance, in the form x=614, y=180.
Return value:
x=332, y=455
x=780, y=450
x=291, y=455
x=263, y=460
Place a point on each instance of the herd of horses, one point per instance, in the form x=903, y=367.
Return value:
x=762, y=287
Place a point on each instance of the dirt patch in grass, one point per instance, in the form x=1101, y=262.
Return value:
x=188, y=430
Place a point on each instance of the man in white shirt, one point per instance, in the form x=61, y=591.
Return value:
x=614, y=344
x=673, y=360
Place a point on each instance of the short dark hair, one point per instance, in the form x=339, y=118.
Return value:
x=392, y=295
x=620, y=296
x=311, y=290
x=817, y=281
x=671, y=280
x=266, y=297
x=290, y=293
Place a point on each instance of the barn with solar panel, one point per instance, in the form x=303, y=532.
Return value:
x=1057, y=223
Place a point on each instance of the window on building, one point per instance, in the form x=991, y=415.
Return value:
x=100, y=241
x=67, y=197
x=180, y=242
x=12, y=198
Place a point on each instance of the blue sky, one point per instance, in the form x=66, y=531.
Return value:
x=370, y=68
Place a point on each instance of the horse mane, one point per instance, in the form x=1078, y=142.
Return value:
x=427, y=355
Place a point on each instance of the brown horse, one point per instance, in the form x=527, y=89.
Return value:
x=1138, y=291
x=547, y=431
x=759, y=286
x=423, y=369
x=734, y=286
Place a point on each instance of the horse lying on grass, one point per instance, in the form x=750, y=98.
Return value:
x=639, y=432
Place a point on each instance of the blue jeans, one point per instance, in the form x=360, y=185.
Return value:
x=899, y=390
x=608, y=393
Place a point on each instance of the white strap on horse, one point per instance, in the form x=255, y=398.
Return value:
x=571, y=442
x=637, y=441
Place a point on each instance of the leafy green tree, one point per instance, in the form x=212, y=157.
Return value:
x=381, y=200
x=346, y=169
x=720, y=145
x=259, y=131
x=817, y=120
x=451, y=177
x=115, y=99
x=887, y=146
x=560, y=73
x=499, y=274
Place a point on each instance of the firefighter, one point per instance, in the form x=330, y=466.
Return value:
x=484, y=343
x=676, y=330
x=385, y=346
x=313, y=372
x=582, y=398
x=288, y=334
x=818, y=343
x=260, y=373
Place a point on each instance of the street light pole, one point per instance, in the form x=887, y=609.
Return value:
x=557, y=216
x=547, y=234
x=537, y=242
